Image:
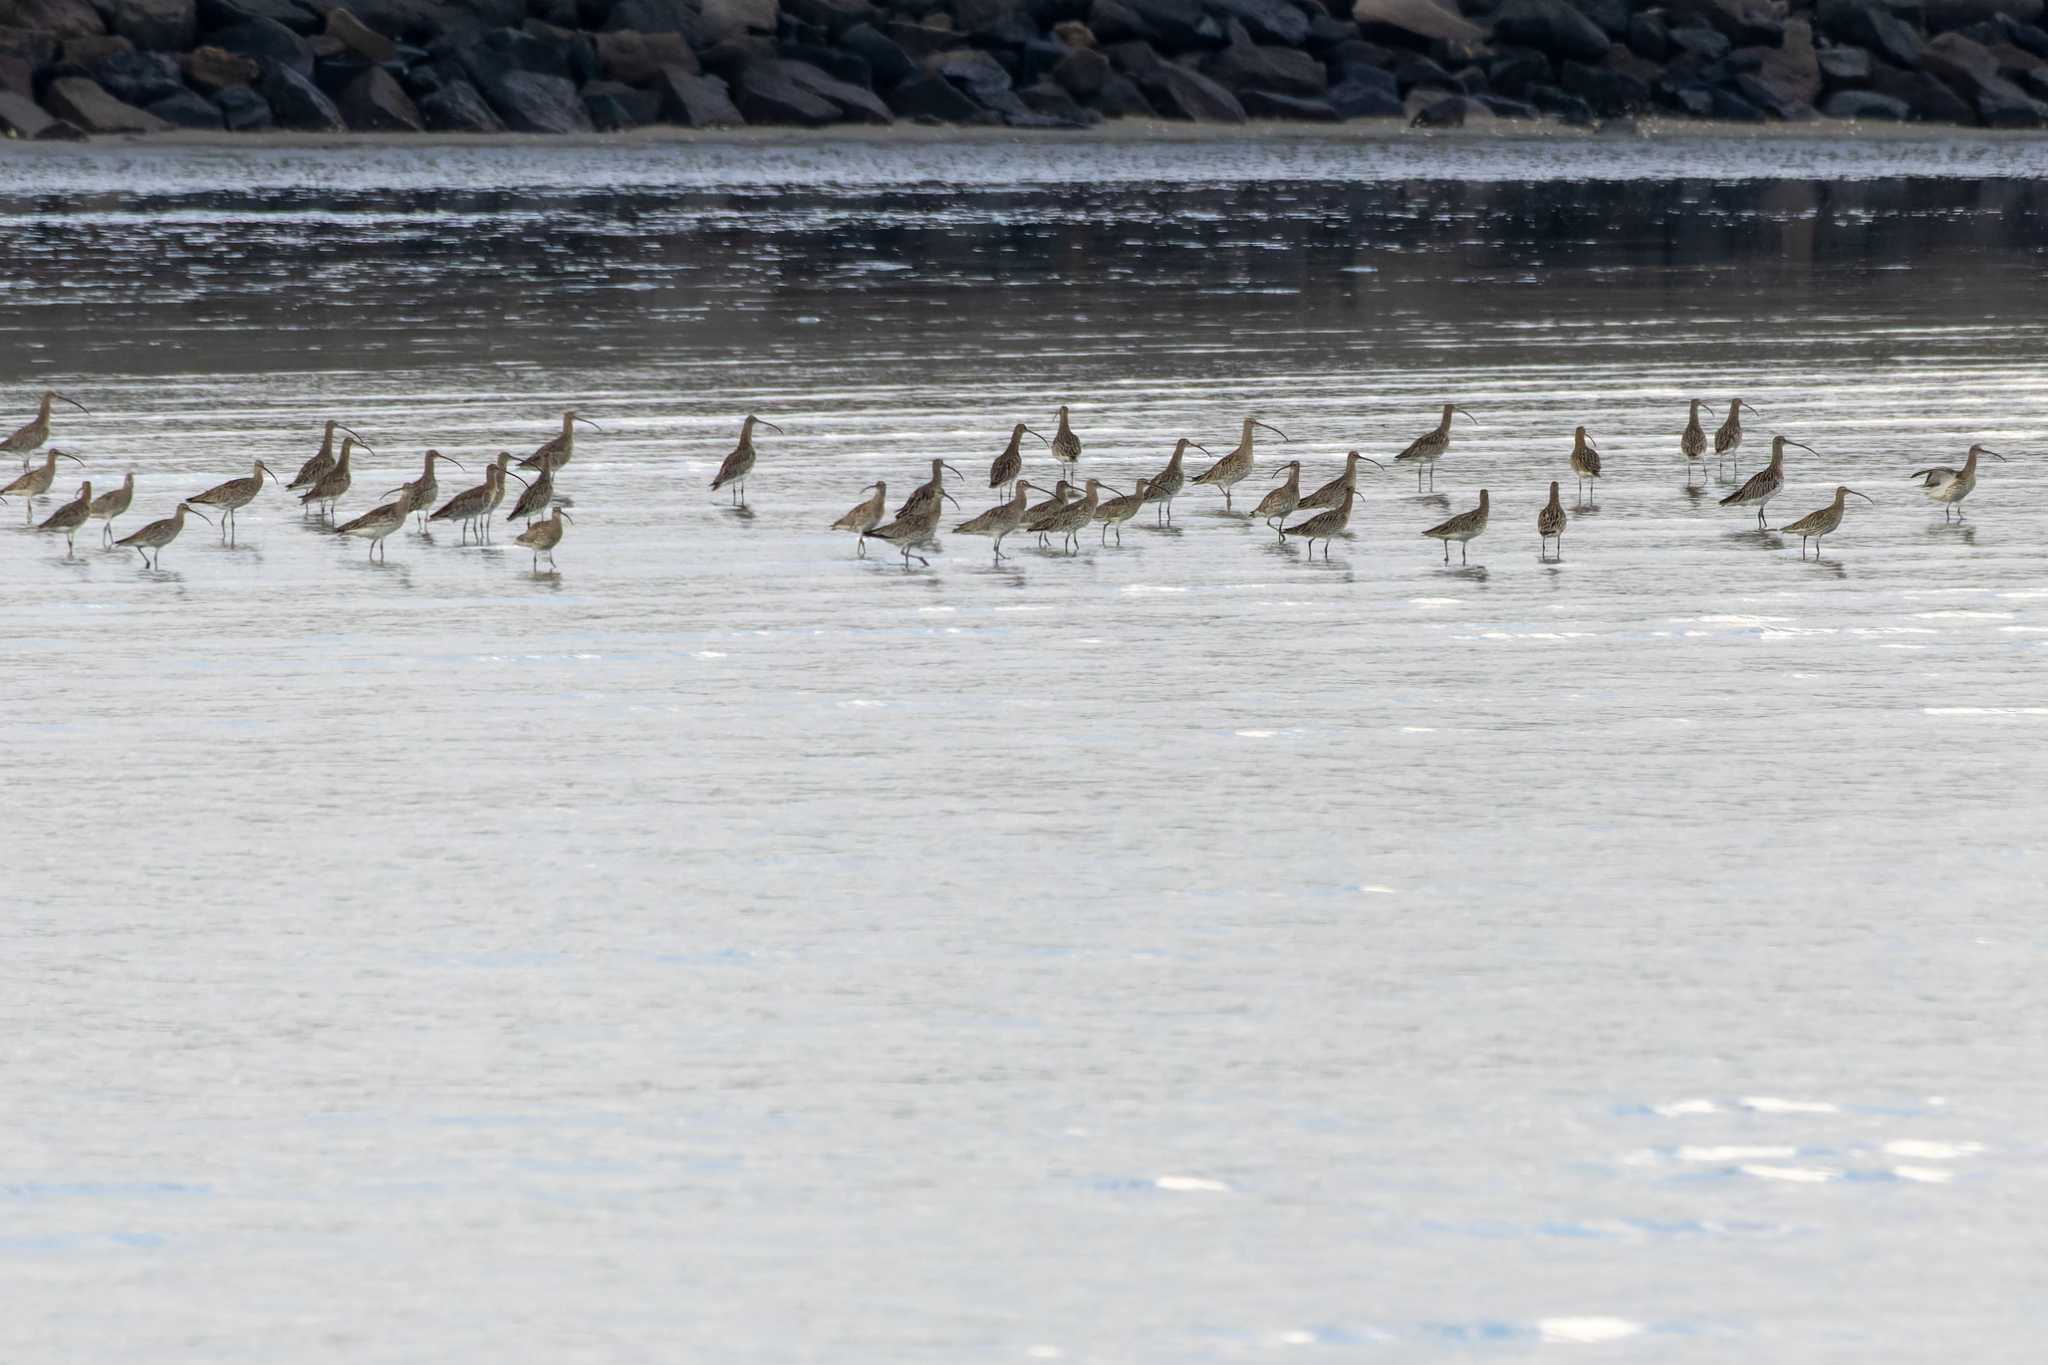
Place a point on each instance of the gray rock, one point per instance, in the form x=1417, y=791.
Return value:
x=1083, y=72
x=1943, y=15
x=1733, y=108
x=83, y=102
x=297, y=103
x=1267, y=21
x=766, y=95
x=243, y=110
x=1417, y=19
x=295, y=15
x=34, y=48
x=1519, y=68
x=932, y=96
x=23, y=118
x=834, y=16
x=1134, y=58
x=1844, y=66
x=268, y=42
x=658, y=16
x=1696, y=40
x=139, y=78
x=638, y=58
x=1862, y=23
x=974, y=71
x=1565, y=105
x=375, y=102
x=697, y=101
x=1175, y=24
x=1608, y=92
x=187, y=109
x=1552, y=27
x=1282, y=70
x=1649, y=37
x=211, y=69
x=530, y=102
x=884, y=55
x=1865, y=104
x=614, y=106
x=856, y=104
x=1272, y=104
x=1120, y=97
x=1177, y=92
x=459, y=107
x=1929, y=97
x=156, y=25
x=1365, y=99
x=1450, y=111
x=1503, y=107
x=1745, y=23
x=1415, y=72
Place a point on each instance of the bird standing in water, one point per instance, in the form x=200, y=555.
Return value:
x=1549, y=522
x=1823, y=522
x=1425, y=450
x=736, y=466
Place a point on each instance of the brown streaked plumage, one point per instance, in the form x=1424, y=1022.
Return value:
x=1425, y=450
x=473, y=506
x=377, y=523
x=158, y=534
x=419, y=494
x=911, y=529
x=233, y=495
x=543, y=536
x=112, y=504
x=1067, y=520
x=1281, y=502
x=538, y=497
x=1728, y=438
x=1767, y=482
x=1231, y=470
x=30, y=435
x=999, y=520
x=1692, y=442
x=1823, y=522
x=1585, y=460
x=71, y=515
x=1066, y=446
x=1010, y=463
x=326, y=490
x=736, y=466
x=322, y=463
x=1463, y=528
x=1324, y=525
x=1167, y=483
x=1950, y=486
x=1549, y=522
x=925, y=497
x=1062, y=493
x=1114, y=512
x=864, y=516
x=36, y=481
x=1332, y=493
x=558, y=450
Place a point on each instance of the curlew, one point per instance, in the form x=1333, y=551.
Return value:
x=1425, y=450
x=558, y=450
x=1585, y=459
x=543, y=536
x=1062, y=491
x=538, y=497
x=1549, y=522
x=473, y=506
x=1463, y=528
x=419, y=494
x=1232, y=468
x=925, y=497
x=1823, y=522
x=30, y=435
x=112, y=504
x=864, y=516
x=377, y=523
x=70, y=516
x=36, y=481
x=1279, y=504
x=1728, y=438
x=1692, y=442
x=911, y=529
x=232, y=496
x=1167, y=483
x=1324, y=525
x=1066, y=446
x=158, y=534
x=1950, y=486
x=1010, y=463
x=1120, y=509
x=322, y=462
x=1067, y=520
x=736, y=466
x=1767, y=482
x=1332, y=493
x=326, y=490
x=999, y=520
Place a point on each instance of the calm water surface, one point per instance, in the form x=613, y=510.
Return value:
x=730, y=949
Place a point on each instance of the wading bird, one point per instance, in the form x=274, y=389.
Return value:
x=70, y=516
x=36, y=481
x=1067, y=519
x=1066, y=446
x=1167, y=483
x=112, y=504
x=1120, y=509
x=328, y=489
x=1425, y=450
x=999, y=520
x=419, y=494
x=30, y=435
x=1324, y=526
x=1950, y=486
x=911, y=529
x=1767, y=482
x=158, y=534
x=1332, y=493
x=1585, y=460
x=322, y=462
x=1463, y=528
x=1823, y=522
x=1231, y=470
x=925, y=497
x=1279, y=504
x=558, y=450
x=1010, y=463
x=232, y=496
x=543, y=536
x=1728, y=439
x=864, y=516
x=1549, y=522
x=377, y=523
x=1692, y=442
x=737, y=465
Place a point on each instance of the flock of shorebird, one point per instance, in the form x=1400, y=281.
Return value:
x=321, y=482
x=1065, y=511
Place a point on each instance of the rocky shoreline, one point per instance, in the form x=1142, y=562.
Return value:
x=76, y=68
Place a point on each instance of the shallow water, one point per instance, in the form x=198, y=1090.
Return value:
x=727, y=948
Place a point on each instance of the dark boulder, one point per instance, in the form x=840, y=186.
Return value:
x=1649, y=37
x=834, y=16
x=1929, y=97
x=1566, y=106
x=1410, y=23
x=932, y=96
x=1696, y=40
x=532, y=102
x=1271, y=104
x=884, y=55
x=614, y=106
x=1865, y=104
x=1134, y=59
x=1792, y=68
x=155, y=25
x=856, y=103
x=1268, y=21
x=979, y=74
x=1053, y=101
x=1844, y=66
x=766, y=94
x=1767, y=96
x=16, y=78
x=268, y=42
x=459, y=107
x=295, y=15
x=213, y=69
x=842, y=65
x=659, y=16
x=187, y=109
x=242, y=110
x=1550, y=26
x=1696, y=100
x=297, y=103
x=58, y=18
x=696, y=101
x=416, y=21
x=1355, y=98
x=1177, y=92
x=1282, y=70
x=1730, y=107
x=1942, y=15
x=919, y=40
x=1517, y=69
x=21, y=117
x=492, y=56
x=1503, y=107
x=1449, y=111
x=140, y=78
x=83, y=102
x=1416, y=72
x=1082, y=72
x=1120, y=97
x=1325, y=32
x=1177, y=24
x=33, y=48
x=376, y=103
x=1607, y=91
x=1862, y=23
x=723, y=19
x=359, y=38
x=1745, y=23
x=638, y=58
x=1610, y=16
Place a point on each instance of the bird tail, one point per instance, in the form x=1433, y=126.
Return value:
x=1732, y=498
